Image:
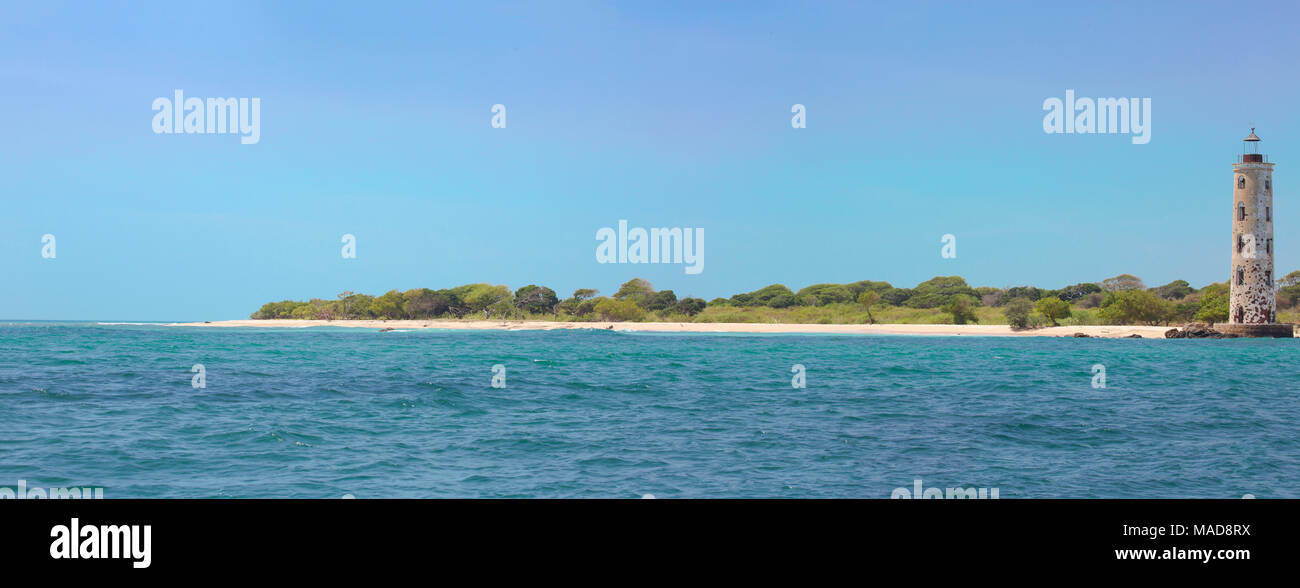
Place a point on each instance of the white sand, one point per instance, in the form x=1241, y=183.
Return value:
x=943, y=330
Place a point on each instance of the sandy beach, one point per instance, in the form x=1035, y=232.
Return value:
x=1111, y=331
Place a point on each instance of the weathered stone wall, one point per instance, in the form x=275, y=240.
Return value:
x=1252, y=299
x=1268, y=330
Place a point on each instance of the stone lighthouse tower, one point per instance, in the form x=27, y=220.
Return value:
x=1252, y=306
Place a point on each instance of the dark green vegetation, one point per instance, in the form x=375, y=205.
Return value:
x=1123, y=299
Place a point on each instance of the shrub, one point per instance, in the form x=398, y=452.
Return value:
x=1133, y=306
x=610, y=309
x=961, y=307
x=1017, y=312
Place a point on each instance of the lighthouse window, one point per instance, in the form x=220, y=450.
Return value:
x=1241, y=211
x=1268, y=183
x=1268, y=246
x=1241, y=181
x=1240, y=243
x=1241, y=276
x=1268, y=213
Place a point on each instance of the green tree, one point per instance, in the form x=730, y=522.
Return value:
x=611, y=309
x=867, y=299
x=1122, y=282
x=635, y=289
x=990, y=296
x=570, y=305
x=1288, y=291
x=355, y=306
x=661, y=300
x=1214, y=307
x=484, y=298
x=587, y=308
x=1187, y=308
x=690, y=306
x=1133, y=306
x=388, y=306
x=961, y=307
x=823, y=294
x=1030, y=292
x=1017, y=312
x=277, y=310
x=1175, y=290
x=1053, y=308
x=939, y=291
x=765, y=296
x=857, y=288
x=897, y=296
x=1077, y=291
x=536, y=299
x=344, y=305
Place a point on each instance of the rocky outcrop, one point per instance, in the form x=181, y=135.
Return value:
x=1197, y=331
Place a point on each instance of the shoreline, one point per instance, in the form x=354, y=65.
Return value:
x=1099, y=331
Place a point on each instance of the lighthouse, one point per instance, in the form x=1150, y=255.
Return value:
x=1252, y=306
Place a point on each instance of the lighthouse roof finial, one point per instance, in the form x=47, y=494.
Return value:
x=1252, y=137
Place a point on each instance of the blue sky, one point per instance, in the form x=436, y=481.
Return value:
x=923, y=119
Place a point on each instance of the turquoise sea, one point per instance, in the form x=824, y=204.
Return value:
x=324, y=412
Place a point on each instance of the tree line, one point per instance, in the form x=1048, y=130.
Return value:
x=1123, y=299
x=633, y=301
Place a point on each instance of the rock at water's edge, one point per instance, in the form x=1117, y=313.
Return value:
x=1197, y=331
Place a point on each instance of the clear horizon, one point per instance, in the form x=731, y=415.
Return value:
x=922, y=121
